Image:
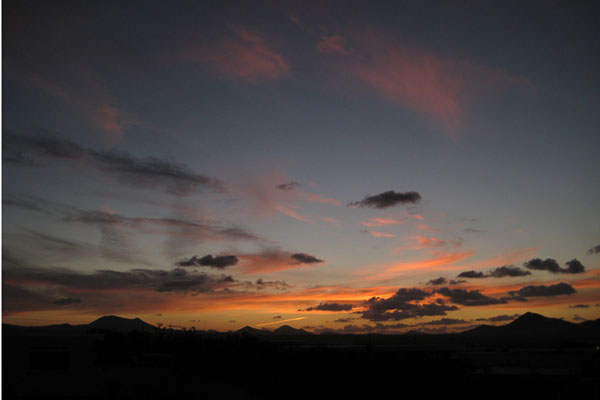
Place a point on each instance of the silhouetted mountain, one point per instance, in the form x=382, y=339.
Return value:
x=535, y=328
x=414, y=332
x=532, y=321
x=253, y=331
x=288, y=330
x=122, y=325
x=592, y=324
x=59, y=329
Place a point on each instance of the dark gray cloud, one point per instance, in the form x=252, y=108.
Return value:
x=499, y=318
x=176, y=280
x=303, y=258
x=543, y=265
x=471, y=274
x=288, y=186
x=191, y=229
x=545, y=291
x=579, y=306
x=20, y=159
x=573, y=266
x=438, y=281
x=17, y=299
x=443, y=281
x=400, y=300
x=594, y=250
x=471, y=230
x=29, y=203
x=401, y=306
x=43, y=144
x=469, y=297
x=199, y=230
x=508, y=270
x=152, y=172
x=331, y=307
x=49, y=246
x=445, y=321
x=277, y=317
x=365, y=328
x=388, y=199
x=344, y=320
x=67, y=301
x=278, y=284
x=191, y=262
x=410, y=311
x=500, y=272
x=218, y=262
x=349, y=329
x=142, y=172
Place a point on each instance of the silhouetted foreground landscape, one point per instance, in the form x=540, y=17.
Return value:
x=532, y=357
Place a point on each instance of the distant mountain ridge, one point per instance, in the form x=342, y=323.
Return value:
x=111, y=323
x=529, y=327
x=282, y=330
x=534, y=327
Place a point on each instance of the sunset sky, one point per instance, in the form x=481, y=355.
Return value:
x=346, y=165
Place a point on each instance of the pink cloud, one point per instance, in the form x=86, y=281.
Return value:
x=244, y=56
x=382, y=222
x=109, y=119
x=381, y=234
x=267, y=197
x=425, y=227
x=331, y=221
x=334, y=44
x=434, y=86
x=291, y=213
x=317, y=198
x=92, y=103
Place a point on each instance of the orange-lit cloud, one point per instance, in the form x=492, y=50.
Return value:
x=438, y=261
x=425, y=242
x=244, y=55
x=281, y=321
x=274, y=260
x=511, y=257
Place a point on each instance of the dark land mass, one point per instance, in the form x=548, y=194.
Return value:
x=531, y=357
